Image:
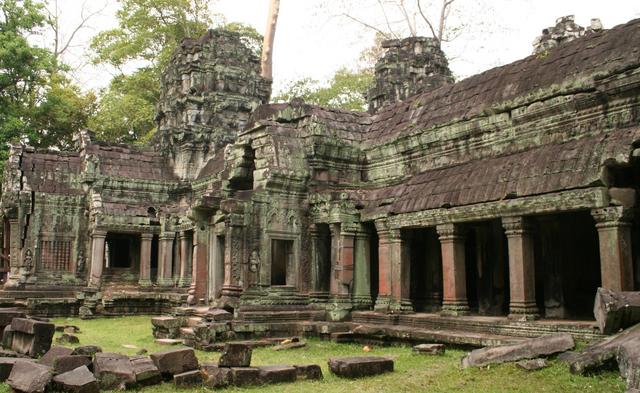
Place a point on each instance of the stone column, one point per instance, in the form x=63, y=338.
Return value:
x=145, y=259
x=14, y=280
x=454, y=284
x=233, y=257
x=393, y=271
x=344, y=265
x=318, y=265
x=522, y=273
x=186, y=248
x=614, y=232
x=362, y=270
x=98, y=238
x=165, y=259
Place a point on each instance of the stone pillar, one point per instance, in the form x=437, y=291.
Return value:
x=186, y=248
x=98, y=238
x=14, y=280
x=394, y=291
x=319, y=265
x=454, y=279
x=522, y=273
x=233, y=257
x=342, y=244
x=145, y=259
x=614, y=232
x=165, y=259
x=362, y=272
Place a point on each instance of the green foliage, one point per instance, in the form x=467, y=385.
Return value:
x=149, y=30
x=346, y=90
x=38, y=104
x=127, y=107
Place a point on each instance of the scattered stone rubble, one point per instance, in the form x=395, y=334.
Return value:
x=565, y=30
x=360, y=366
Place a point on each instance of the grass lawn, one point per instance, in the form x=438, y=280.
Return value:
x=413, y=373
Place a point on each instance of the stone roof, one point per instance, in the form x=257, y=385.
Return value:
x=130, y=162
x=571, y=165
x=500, y=88
x=52, y=172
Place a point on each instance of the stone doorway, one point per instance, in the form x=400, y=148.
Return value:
x=425, y=269
x=281, y=257
x=323, y=258
x=374, y=265
x=487, y=268
x=216, y=266
x=567, y=259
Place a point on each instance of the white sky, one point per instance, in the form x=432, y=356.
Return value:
x=311, y=42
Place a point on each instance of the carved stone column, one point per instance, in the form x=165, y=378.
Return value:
x=233, y=257
x=394, y=271
x=614, y=232
x=14, y=254
x=454, y=278
x=320, y=266
x=362, y=270
x=522, y=281
x=186, y=249
x=342, y=244
x=145, y=259
x=165, y=259
x=98, y=238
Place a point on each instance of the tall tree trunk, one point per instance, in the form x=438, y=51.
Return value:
x=269, y=36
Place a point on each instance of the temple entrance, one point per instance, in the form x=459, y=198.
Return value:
x=567, y=264
x=123, y=251
x=373, y=260
x=323, y=260
x=425, y=269
x=281, y=256
x=154, y=258
x=216, y=266
x=487, y=268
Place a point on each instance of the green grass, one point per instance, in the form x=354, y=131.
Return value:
x=413, y=373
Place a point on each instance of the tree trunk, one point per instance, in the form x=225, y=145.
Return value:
x=269, y=36
x=616, y=310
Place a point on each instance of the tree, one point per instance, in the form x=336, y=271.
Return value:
x=38, y=104
x=346, y=90
x=269, y=37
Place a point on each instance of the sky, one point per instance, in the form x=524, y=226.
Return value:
x=313, y=38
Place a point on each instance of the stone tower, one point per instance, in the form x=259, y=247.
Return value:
x=409, y=66
x=208, y=91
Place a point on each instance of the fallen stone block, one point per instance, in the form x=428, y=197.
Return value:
x=532, y=364
x=216, y=377
x=616, y=310
x=175, y=361
x=167, y=322
x=31, y=337
x=429, y=349
x=360, y=366
x=529, y=349
x=29, y=377
x=235, y=355
x=277, y=374
x=601, y=354
x=244, y=376
x=7, y=315
x=342, y=337
x=218, y=314
x=7, y=337
x=291, y=345
x=79, y=380
x=629, y=363
x=63, y=364
x=145, y=370
x=52, y=354
x=6, y=365
x=113, y=371
x=168, y=341
x=87, y=350
x=308, y=371
x=188, y=379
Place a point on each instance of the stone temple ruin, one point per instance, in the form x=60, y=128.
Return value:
x=510, y=194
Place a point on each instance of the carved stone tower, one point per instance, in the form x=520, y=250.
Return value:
x=208, y=92
x=409, y=66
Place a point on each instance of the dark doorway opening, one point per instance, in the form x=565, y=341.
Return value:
x=281, y=255
x=567, y=258
x=323, y=258
x=487, y=268
x=154, y=258
x=425, y=269
x=374, y=264
x=124, y=250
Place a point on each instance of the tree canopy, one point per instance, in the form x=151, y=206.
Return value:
x=38, y=103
